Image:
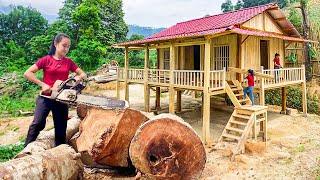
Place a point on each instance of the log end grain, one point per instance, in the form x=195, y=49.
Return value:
x=166, y=147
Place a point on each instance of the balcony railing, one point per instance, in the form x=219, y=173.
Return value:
x=188, y=78
x=194, y=79
x=284, y=76
x=135, y=75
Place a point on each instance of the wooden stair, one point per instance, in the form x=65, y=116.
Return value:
x=239, y=126
x=237, y=130
x=235, y=93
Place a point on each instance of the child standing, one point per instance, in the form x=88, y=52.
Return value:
x=249, y=89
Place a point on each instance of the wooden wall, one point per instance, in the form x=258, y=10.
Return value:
x=250, y=51
x=231, y=41
x=263, y=22
x=184, y=57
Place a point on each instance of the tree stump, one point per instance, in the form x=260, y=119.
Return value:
x=61, y=162
x=46, y=141
x=105, y=135
x=166, y=147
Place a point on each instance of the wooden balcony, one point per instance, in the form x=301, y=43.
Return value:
x=194, y=79
x=185, y=79
x=283, y=77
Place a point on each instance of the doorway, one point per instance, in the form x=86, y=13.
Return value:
x=264, y=54
x=196, y=60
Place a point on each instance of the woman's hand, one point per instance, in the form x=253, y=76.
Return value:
x=77, y=78
x=45, y=88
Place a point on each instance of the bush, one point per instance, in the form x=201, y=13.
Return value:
x=294, y=99
x=18, y=94
x=7, y=152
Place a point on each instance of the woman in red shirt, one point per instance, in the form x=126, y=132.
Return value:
x=277, y=65
x=55, y=66
x=249, y=89
x=276, y=60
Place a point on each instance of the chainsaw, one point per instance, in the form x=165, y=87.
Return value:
x=69, y=92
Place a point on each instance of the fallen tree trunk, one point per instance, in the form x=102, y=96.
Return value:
x=165, y=147
x=105, y=135
x=61, y=162
x=46, y=141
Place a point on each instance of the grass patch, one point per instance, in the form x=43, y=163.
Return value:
x=22, y=138
x=13, y=128
x=17, y=94
x=299, y=148
x=7, y=152
x=286, y=161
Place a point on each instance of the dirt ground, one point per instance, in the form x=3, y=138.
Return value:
x=292, y=151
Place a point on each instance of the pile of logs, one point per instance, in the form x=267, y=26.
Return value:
x=162, y=147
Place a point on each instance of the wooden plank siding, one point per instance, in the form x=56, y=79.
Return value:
x=250, y=56
x=263, y=22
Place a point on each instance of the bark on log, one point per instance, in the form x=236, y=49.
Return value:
x=82, y=110
x=106, y=134
x=46, y=141
x=166, y=147
x=61, y=162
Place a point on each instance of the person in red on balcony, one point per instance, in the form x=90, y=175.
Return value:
x=276, y=60
x=249, y=89
x=277, y=65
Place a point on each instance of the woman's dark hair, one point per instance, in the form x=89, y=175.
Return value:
x=250, y=71
x=56, y=40
x=276, y=55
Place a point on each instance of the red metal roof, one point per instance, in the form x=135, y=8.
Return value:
x=205, y=26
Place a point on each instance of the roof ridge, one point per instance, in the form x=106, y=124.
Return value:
x=225, y=27
x=269, y=4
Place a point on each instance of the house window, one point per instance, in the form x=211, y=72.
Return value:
x=166, y=59
x=221, y=57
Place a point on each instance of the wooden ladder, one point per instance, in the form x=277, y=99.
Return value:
x=235, y=93
x=238, y=128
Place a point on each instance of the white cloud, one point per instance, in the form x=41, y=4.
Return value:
x=165, y=13
x=44, y=6
x=153, y=13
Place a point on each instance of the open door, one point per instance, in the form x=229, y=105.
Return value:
x=196, y=57
x=264, y=54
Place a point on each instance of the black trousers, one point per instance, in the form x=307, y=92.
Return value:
x=60, y=117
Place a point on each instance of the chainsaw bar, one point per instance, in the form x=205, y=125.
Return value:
x=97, y=101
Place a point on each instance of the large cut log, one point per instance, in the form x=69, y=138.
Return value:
x=61, y=162
x=105, y=135
x=166, y=147
x=82, y=110
x=46, y=141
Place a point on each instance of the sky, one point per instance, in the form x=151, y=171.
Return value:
x=149, y=13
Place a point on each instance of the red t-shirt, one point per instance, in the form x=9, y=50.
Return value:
x=277, y=61
x=55, y=69
x=250, y=80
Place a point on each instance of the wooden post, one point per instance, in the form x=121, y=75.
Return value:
x=265, y=127
x=262, y=93
x=239, y=63
x=304, y=92
x=158, y=94
x=171, y=87
x=118, y=84
x=179, y=101
x=284, y=100
x=126, y=67
x=145, y=79
x=206, y=94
